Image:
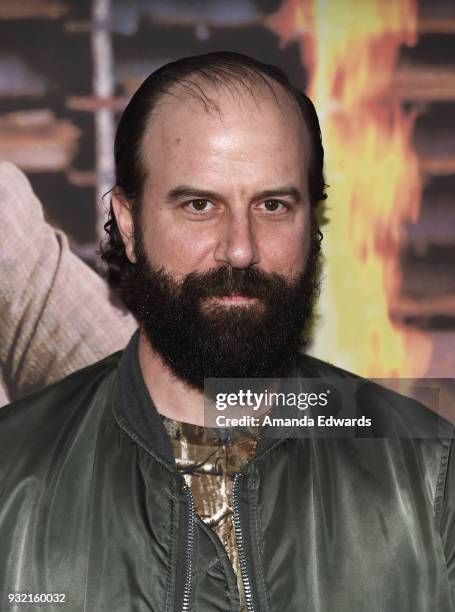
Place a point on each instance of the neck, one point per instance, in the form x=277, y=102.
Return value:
x=172, y=397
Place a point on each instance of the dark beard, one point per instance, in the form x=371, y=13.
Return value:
x=199, y=338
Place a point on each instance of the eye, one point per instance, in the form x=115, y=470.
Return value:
x=199, y=206
x=274, y=206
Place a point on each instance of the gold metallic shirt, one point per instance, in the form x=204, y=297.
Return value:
x=208, y=459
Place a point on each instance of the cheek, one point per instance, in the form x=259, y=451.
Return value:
x=285, y=251
x=177, y=247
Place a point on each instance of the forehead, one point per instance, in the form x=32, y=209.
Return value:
x=229, y=131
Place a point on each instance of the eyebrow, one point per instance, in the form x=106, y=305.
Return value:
x=186, y=191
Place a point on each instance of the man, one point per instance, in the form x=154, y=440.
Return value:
x=110, y=485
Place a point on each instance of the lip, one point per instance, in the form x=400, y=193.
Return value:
x=234, y=299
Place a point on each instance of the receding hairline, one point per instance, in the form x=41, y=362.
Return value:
x=199, y=84
x=198, y=87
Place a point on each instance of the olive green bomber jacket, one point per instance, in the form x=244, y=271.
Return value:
x=92, y=507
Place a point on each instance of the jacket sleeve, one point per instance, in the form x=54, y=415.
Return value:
x=447, y=511
x=56, y=316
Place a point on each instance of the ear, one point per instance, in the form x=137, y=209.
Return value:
x=123, y=215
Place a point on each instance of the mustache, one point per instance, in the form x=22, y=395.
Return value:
x=224, y=281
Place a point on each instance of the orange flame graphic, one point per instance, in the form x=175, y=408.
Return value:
x=350, y=48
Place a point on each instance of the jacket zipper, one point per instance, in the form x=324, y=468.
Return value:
x=189, y=551
x=240, y=545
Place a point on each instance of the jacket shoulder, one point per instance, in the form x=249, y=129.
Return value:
x=415, y=435
x=48, y=440
x=50, y=407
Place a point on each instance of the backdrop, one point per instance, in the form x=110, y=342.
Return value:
x=381, y=74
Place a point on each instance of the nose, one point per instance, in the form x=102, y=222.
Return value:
x=237, y=246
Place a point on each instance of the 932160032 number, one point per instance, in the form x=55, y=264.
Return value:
x=42, y=598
